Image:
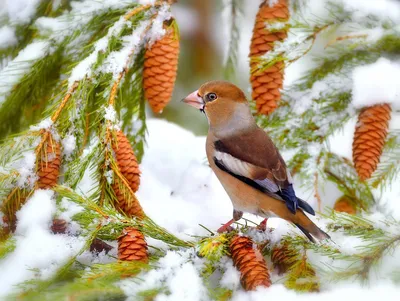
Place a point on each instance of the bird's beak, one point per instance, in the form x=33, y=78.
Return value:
x=194, y=100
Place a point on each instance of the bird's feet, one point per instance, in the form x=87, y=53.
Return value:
x=263, y=225
x=226, y=227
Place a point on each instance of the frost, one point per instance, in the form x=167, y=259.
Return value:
x=7, y=37
x=377, y=83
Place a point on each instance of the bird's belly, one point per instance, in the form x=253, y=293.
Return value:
x=238, y=193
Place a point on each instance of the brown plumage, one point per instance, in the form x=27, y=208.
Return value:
x=49, y=163
x=369, y=138
x=250, y=262
x=266, y=84
x=132, y=246
x=160, y=67
x=246, y=161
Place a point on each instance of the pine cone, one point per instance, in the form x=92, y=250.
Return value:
x=160, y=67
x=282, y=257
x=127, y=201
x=126, y=160
x=343, y=204
x=97, y=246
x=266, y=84
x=249, y=261
x=369, y=138
x=14, y=202
x=48, y=164
x=132, y=246
x=59, y=226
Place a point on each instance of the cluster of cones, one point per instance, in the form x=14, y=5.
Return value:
x=253, y=269
x=132, y=245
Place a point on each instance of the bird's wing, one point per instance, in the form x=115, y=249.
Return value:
x=254, y=159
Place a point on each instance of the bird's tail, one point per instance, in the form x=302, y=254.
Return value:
x=309, y=229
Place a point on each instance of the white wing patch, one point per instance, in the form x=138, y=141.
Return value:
x=234, y=165
x=242, y=168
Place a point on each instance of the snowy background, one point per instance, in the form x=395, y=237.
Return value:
x=179, y=191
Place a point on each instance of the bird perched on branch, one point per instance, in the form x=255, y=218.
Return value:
x=246, y=161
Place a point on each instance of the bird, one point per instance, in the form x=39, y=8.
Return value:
x=246, y=161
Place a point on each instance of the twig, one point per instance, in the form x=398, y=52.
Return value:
x=142, y=8
x=346, y=37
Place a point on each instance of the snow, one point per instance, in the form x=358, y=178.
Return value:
x=180, y=276
x=83, y=69
x=157, y=30
x=26, y=169
x=384, y=9
x=45, y=124
x=68, y=145
x=19, y=11
x=117, y=61
x=7, y=37
x=38, y=253
x=15, y=70
x=376, y=83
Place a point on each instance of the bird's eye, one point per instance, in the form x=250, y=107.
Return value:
x=211, y=96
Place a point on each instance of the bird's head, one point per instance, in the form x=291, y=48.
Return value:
x=224, y=104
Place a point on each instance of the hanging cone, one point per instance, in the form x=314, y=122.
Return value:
x=283, y=258
x=126, y=160
x=266, y=84
x=369, y=138
x=14, y=202
x=249, y=261
x=344, y=204
x=160, y=67
x=48, y=164
x=59, y=226
x=132, y=246
x=127, y=201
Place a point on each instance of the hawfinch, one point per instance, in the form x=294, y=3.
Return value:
x=246, y=161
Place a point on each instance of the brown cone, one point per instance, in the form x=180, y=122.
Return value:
x=282, y=257
x=59, y=226
x=48, y=164
x=266, y=84
x=129, y=169
x=132, y=246
x=126, y=160
x=98, y=246
x=160, y=67
x=249, y=261
x=14, y=202
x=127, y=201
x=369, y=138
x=343, y=204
